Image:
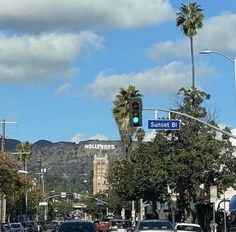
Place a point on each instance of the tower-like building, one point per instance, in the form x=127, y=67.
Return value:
x=100, y=173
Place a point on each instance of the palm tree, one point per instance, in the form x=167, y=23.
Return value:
x=189, y=19
x=25, y=151
x=140, y=133
x=121, y=114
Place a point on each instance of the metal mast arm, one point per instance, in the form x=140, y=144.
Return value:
x=196, y=119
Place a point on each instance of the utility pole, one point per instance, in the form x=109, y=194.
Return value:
x=2, y=196
x=4, y=122
x=41, y=173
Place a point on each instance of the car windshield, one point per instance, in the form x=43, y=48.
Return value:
x=155, y=225
x=188, y=228
x=76, y=227
x=15, y=225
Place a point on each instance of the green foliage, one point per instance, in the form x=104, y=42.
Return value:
x=97, y=212
x=25, y=150
x=60, y=209
x=13, y=184
x=190, y=18
x=184, y=160
x=35, y=195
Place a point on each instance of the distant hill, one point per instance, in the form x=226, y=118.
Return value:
x=68, y=162
x=10, y=144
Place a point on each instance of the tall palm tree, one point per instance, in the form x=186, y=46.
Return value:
x=189, y=19
x=121, y=114
x=25, y=151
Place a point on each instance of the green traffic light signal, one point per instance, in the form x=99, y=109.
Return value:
x=135, y=112
x=135, y=119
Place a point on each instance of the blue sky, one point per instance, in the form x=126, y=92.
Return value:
x=62, y=63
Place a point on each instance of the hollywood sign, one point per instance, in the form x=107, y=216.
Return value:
x=100, y=146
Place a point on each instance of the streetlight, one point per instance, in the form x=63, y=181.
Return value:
x=233, y=60
x=26, y=197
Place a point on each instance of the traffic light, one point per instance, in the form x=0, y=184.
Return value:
x=135, y=112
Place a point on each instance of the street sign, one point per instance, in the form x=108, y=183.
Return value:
x=213, y=193
x=164, y=124
x=63, y=195
x=99, y=203
x=43, y=203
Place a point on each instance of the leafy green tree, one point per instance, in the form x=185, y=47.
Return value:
x=182, y=160
x=13, y=184
x=121, y=115
x=96, y=211
x=35, y=195
x=189, y=19
x=60, y=209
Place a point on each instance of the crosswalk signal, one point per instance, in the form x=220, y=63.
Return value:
x=135, y=112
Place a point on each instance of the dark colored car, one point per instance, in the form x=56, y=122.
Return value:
x=120, y=225
x=30, y=226
x=77, y=226
x=5, y=227
x=50, y=225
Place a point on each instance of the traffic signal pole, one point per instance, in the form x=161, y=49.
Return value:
x=191, y=117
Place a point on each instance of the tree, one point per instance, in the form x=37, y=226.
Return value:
x=35, y=195
x=121, y=115
x=182, y=160
x=139, y=135
x=13, y=184
x=189, y=19
x=25, y=150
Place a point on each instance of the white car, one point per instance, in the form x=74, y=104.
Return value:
x=154, y=226
x=190, y=227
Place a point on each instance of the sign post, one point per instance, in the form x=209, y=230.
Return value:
x=213, y=198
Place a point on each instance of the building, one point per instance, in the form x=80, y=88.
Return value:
x=100, y=173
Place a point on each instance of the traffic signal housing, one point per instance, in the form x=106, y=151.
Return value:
x=135, y=112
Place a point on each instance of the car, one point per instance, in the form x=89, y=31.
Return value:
x=17, y=227
x=102, y=225
x=154, y=226
x=119, y=225
x=184, y=227
x=49, y=225
x=5, y=227
x=77, y=226
x=30, y=226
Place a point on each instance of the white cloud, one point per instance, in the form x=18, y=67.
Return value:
x=98, y=137
x=166, y=79
x=63, y=89
x=150, y=136
x=42, y=58
x=169, y=48
x=77, y=138
x=80, y=137
x=216, y=34
x=38, y=15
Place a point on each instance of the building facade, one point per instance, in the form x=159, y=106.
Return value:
x=100, y=173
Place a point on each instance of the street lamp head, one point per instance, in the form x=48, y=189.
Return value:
x=205, y=52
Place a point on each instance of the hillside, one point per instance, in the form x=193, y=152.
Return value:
x=67, y=163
